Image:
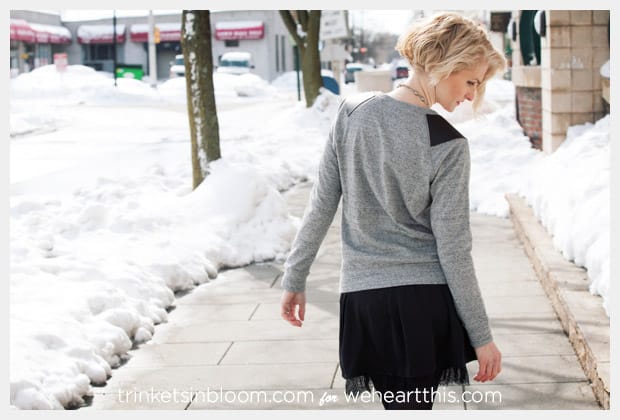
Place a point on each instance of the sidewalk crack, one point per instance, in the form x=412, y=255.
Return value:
x=225, y=353
x=276, y=279
x=331, y=385
x=191, y=401
x=253, y=312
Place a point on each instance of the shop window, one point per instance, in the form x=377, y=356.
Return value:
x=99, y=52
x=43, y=55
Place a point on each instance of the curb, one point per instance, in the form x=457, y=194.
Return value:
x=581, y=314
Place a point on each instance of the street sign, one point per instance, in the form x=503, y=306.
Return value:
x=60, y=60
x=333, y=25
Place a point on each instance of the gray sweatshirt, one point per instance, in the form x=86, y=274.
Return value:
x=403, y=174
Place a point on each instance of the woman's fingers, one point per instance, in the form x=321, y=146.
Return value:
x=489, y=362
x=497, y=368
x=288, y=313
x=488, y=370
x=292, y=304
x=302, y=311
x=481, y=376
x=285, y=308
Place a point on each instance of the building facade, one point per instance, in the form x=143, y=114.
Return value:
x=557, y=58
x=34, y=39
x=91, y=42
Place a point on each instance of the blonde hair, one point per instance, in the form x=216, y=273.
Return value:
x=447, y=43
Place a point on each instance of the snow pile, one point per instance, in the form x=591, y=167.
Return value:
x=286, y=145
x=227, y=87
x=569, y=191
x=173, y=90
x=99, y=264
x=499, y=94
x=287, y=81
x=245, y=85
x=100, y=267
x=78, y=85
x=501, y=156
x=83, y=85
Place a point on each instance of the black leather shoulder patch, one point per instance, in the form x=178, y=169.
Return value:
x=441, y=130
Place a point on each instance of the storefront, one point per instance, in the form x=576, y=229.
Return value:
x=168, y=46
x=34, y=45
x=35, y=39
x=259, y=32
x=98, y=48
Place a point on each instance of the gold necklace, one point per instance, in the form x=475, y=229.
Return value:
x=415, y=92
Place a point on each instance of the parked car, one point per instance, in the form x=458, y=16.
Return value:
x=177, y=67
x=400, y=70
x=351, y=69
x=235, y=63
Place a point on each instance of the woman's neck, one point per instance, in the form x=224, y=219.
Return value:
x=415, y=90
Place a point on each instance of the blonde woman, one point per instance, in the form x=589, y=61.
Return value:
x=411, y=312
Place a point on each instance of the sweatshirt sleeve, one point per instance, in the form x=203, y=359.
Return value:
x=450, y=226
x=317, y=218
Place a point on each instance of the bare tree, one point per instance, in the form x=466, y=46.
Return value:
x=203, y=123
x=307, y=39
x=381, y=46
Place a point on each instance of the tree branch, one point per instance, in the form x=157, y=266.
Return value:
x=290, y=24
x=302, y=17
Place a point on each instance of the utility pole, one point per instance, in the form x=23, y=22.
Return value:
x=152, y=51
x=362, y=38
x=114, y=44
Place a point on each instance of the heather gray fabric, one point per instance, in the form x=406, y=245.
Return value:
x=405, y=213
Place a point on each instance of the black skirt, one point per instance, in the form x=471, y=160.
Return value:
x=405, y=331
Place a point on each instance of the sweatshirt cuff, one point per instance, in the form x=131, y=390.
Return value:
x=481, y=340
x=293, y=281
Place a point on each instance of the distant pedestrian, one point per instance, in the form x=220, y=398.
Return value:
x=411, y=312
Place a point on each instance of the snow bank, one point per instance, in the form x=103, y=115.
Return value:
x=94, y=272
x=569, y=191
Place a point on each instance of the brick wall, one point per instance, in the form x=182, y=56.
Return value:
x=529, y=113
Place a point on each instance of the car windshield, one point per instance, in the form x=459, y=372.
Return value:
x=235, y=63
x=178, y=61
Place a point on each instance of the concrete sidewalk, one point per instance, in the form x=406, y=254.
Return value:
x=228, y=335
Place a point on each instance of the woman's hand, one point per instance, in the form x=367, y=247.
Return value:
x=489, y=362
x=291, y=301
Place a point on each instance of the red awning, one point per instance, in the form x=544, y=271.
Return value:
x=51, y=34
x=100, y=34
x=168, y=32
x=40, y=34
x=239, y=30
x=21, y=31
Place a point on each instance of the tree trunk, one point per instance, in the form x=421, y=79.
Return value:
x=203, y=123
x=311, y=60
x=308, y=45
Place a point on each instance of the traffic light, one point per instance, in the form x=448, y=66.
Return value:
x=156, y=35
